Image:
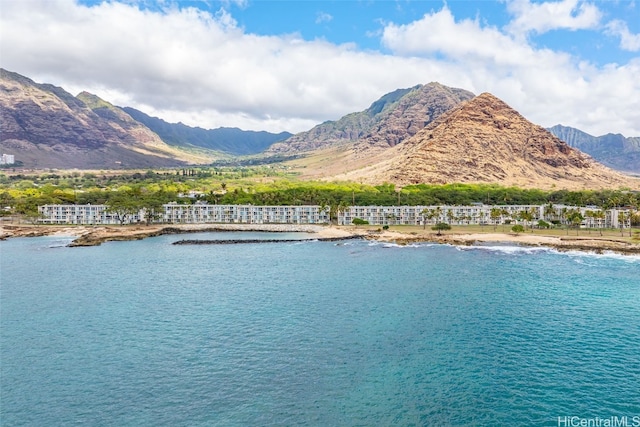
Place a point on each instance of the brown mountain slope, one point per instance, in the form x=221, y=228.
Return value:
x=387, y=122
x=485, y=140
x=45, y=126
x=413, y=112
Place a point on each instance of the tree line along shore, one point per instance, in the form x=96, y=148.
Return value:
x=22, y=193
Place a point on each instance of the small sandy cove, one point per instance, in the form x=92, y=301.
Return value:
x=92, y=236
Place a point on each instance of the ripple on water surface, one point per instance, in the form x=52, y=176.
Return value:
x=314, y=333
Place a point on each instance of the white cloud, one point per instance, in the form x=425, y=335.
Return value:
x=323, y=17
x=439, y=33
x=203, y=69
x=546, y=16
x=628, y=41
x=185, y=61
x=547, y=87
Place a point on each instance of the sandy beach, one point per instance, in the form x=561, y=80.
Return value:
x=93, y=236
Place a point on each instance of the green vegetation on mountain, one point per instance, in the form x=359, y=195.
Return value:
x=94, y=102
x=387, y=122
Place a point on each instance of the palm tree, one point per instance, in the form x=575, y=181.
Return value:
x=437, y=213
x=525, y=216
x=450, y=216
x=506, y=214
x=427, y=215
x=549, y=212
x=336, y=210
x=591, y=215
x=324, y=207
x=391, y=218
x=535, y=215
x=496, y=214
x=481, y=217
x=574, y=217
x=563, y=218
x=622, y=219
x=600, y=216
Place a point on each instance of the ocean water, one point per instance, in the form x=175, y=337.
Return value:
x=349, y=333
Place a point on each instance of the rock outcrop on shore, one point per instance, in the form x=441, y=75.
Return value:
x=94, y=236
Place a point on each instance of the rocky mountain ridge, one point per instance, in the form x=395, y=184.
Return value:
x=390, y=120
x=485, y=140
x=613, y=150
x=233, y=141
x=47, y=127
x=44, y=126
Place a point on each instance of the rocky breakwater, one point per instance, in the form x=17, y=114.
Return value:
x=240, y=241
x=95, y=237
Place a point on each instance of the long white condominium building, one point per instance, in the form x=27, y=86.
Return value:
x=202, y=213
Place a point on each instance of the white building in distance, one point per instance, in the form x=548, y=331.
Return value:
x=7, y=159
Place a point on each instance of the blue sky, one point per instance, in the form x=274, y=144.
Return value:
x=288, y=65
x=361, y=22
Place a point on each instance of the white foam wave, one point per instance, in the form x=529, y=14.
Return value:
x=401, y=246
x=579, y=255
x=60, y=243
x=304, y=242
x=506, y=249
x=514, y=249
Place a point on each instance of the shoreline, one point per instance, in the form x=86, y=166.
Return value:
x=96, y=235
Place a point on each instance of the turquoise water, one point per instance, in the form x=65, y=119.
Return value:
x=314, y=333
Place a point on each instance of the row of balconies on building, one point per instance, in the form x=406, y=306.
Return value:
x=201, y=213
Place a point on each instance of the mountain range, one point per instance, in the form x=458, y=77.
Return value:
x=485, y=140
x=390, y=120
x=613, y=150
x=46, y=127
x=426, y=133
x=228, y=140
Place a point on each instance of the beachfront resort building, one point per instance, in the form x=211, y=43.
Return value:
x=7, y=159
x=199, y=213
x=204, y=213
x=84, y=215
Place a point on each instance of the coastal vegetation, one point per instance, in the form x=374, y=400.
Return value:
x=517, y=229
x=440, y=227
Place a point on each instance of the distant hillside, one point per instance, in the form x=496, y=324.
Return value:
x=230, y=140
x=46, y=127
x=613, y=150
x=485, y=140
x=387, y=122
